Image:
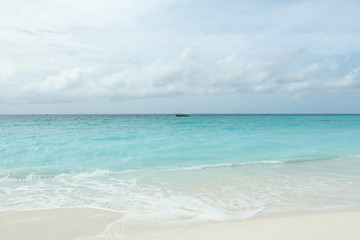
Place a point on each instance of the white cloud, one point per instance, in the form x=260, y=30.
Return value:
x=6, y=71
x=158, y=78
x=66, y=50
x=68, y=85
x=282, y=73
x=61, y=15
x=187, y=75
x=350, y=80
x=47, y=36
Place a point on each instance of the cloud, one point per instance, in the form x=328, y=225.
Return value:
x=349, y=81
x=188, y=75
x=6, y=71
x=129, y=49
x=42, y=36
x=62, y=15
x=66, y=86
x=158, y=78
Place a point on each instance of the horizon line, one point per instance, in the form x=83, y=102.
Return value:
x=178, y=113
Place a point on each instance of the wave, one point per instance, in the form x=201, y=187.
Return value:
x=59, y=177
x=28, y=178
x=19, y=175
x=87, y=174
x=163, y=199
x=222, y=165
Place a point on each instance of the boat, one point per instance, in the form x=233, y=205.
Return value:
x=182, y=115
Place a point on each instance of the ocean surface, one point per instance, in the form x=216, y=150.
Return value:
x=164, y=172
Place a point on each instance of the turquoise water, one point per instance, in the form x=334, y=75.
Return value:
x=162, y=170
x=65, y=143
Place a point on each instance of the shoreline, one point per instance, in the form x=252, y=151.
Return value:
x=87, y=223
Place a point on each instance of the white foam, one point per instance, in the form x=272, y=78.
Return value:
x=263, y=162
x=201, y=167
x=161, y=200
x=4, y=178
x=83, y=175
x=32, y=177
x=220, y=165
x=28, y=178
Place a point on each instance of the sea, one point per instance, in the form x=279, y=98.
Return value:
x=163, y=172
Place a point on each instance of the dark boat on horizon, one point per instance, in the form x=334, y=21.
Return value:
x=182, y=115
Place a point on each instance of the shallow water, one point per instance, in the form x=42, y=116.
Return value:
x=162, y=172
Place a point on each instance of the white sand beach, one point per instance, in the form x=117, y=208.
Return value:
x=82, y=224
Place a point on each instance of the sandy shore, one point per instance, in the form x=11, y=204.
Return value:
x=81, y=224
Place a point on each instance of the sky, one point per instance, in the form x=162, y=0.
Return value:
x=171, y=56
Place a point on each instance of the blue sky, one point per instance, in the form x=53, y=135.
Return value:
x=166, y=56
